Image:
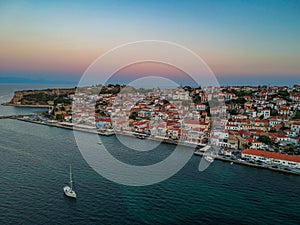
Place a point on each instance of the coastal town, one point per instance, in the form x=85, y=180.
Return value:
x=257, y=125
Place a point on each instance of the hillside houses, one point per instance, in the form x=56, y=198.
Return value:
x=234, y=117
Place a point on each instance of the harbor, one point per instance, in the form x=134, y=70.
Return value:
x=41, y=165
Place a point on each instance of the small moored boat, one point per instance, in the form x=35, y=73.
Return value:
x=208, y=158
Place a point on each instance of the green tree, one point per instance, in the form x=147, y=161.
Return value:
x=291, y=149
x=233, y=111
x=265, y=139
x=274, y=112
x=297, y=116
x=283, y=127
x=133, y=115
x=247, y=145
x=197, y=98
x=59, y=117
x=45, y=114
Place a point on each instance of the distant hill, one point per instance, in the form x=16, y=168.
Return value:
x=41, y=97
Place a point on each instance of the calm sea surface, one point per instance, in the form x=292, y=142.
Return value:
x=34, y=164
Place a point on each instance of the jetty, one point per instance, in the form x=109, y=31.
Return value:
x=7, y=117
x=13, y=116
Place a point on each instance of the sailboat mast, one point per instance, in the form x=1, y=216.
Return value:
x=71, y=182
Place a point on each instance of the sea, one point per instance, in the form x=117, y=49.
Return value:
x=34, y=165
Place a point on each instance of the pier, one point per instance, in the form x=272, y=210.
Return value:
x=8, y=117
x=13, y=116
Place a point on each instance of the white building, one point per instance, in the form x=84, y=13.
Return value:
x=272, y=158
x=296, y=127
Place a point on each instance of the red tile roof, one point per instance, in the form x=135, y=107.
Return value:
x=161, y=126
x=107, y=120
x=284, y=108
x=273, y=155
x=191, y=122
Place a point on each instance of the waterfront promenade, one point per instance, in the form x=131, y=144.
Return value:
x=92, y=131
x=190, y=145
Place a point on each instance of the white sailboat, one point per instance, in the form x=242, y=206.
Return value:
x=68, y=190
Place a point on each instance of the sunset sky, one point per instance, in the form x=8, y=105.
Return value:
x=241, y=41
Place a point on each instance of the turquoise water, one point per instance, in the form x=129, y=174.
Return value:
x=34, y=163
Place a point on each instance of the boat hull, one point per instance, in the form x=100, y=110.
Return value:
x=69, y=192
